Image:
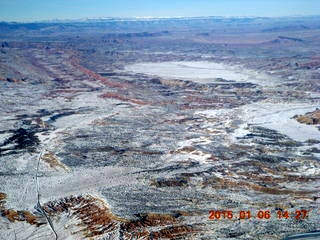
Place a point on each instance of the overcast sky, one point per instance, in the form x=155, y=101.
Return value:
x=34, y=10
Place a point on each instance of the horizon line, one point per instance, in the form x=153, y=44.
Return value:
x=150, y=18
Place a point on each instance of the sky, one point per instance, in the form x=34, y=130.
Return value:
x=37, y=10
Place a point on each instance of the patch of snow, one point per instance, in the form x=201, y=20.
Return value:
x=279, y=117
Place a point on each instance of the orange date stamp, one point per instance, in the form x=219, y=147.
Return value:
x=300, y=214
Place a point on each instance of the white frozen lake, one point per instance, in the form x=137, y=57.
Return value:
x=200, y=71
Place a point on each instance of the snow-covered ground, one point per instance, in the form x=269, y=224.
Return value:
x=279, y=117
x=201, y=71
x=275, y=116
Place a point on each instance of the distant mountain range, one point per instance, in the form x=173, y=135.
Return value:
x=155, y=27
x=176, y=18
